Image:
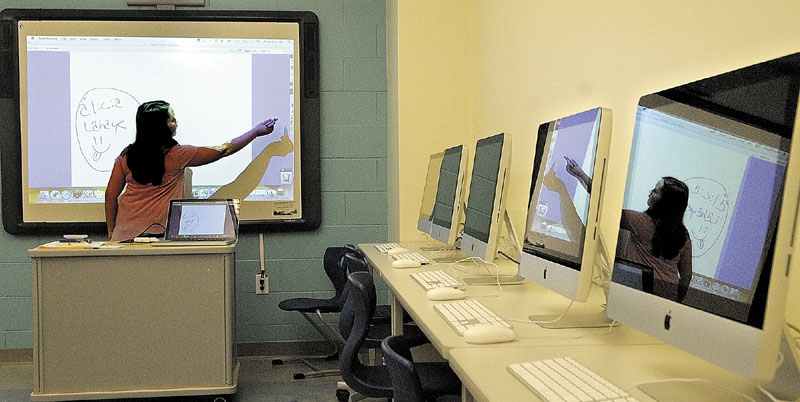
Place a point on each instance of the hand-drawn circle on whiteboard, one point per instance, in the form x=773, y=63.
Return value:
x=105, y=123
x=707, y=214
x=189, y=222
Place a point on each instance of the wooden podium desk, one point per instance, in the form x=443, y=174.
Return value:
x=514, y=304
x=485, y=377
x=136, y=321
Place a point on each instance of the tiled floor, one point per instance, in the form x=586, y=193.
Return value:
x=259, y=381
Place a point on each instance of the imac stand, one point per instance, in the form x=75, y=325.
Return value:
x=696, y=391
x=580, y=320
x=785, y=385
x=583, y=320
x=516, y=255
x=435, y=248
x=448, y=247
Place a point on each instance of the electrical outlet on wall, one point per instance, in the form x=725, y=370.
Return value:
x=262, y=288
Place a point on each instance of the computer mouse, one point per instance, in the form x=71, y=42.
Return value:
x=397, y=250
x=483, y=334
x=405, y=263
x=445, y=294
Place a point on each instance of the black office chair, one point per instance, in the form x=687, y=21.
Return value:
x=354, y=325
x=356, y=261
x=309, y=307
x=416, y=382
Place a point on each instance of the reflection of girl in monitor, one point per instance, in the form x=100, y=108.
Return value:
x=660, y=240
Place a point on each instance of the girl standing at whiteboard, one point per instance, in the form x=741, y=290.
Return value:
x=152, y=170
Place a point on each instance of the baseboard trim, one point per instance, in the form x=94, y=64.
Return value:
x=250, y=349
x=21, y=355
x=284, y=349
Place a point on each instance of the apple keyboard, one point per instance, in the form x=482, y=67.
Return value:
x=385, y=247
x=465, y=314
x=435, y=279
x=565, y=379
x=421, y=259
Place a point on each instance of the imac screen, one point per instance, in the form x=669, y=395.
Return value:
x=485, y=212
x=562, y=178
x=701, y=205
x=448, y=196
x=483, y=187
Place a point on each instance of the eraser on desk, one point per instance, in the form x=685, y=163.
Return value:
x=145, y=239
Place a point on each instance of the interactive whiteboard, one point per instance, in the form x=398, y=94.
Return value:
x=81, y=74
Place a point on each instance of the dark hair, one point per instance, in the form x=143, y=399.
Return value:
x=153, y=141
x=667, y=212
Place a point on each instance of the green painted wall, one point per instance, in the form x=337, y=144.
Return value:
x=354, y=191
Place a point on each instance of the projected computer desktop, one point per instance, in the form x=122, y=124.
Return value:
x=560, y=234
x=82, y=74
x=702, y=256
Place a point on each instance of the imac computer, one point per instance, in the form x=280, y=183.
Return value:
x=702, y=257
x=486, y=212
x=429, y=193
x=448, y=204
x=560, y=239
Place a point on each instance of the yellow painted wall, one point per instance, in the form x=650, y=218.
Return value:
x=531, y=61
x=429, y=73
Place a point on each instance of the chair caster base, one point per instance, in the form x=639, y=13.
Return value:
x=342, y=395
x=298, y=376
x=277, y=362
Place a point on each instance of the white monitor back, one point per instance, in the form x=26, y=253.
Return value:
x=487, y=196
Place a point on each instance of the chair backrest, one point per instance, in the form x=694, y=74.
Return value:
x=332, y=263
x=405, y=379
x=356, y=251
x=354, y=324
x=354, y=263
x=349, y=264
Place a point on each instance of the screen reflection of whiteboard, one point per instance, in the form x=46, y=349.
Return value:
x=733, y=182
x=202, y=220
x=573, y=138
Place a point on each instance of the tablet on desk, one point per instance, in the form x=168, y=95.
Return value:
x=200, y=222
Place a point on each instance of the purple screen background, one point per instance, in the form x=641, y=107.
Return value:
x=49, y=127
x=574, y=135
x=750, y=223
x=270, y=93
